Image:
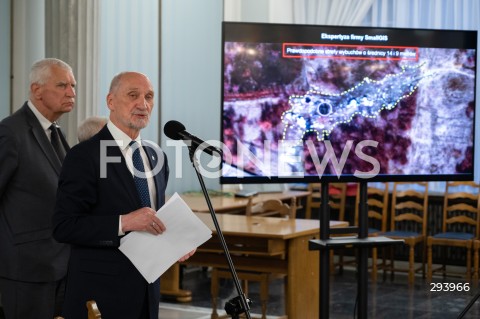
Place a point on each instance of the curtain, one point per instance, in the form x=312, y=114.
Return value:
x=129, y=41
x=331, y=12
x=437, y=14
x=71, y=34
x=433, y=14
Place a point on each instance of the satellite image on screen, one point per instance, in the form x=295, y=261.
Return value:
x=298, y=109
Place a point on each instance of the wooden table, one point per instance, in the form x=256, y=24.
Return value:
x=274, y=245
x=224, y=204
x=221, y=204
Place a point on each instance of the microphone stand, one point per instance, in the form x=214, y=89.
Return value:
x=240, y=304
x=470, y=304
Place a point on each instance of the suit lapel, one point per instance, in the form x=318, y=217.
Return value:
x=125, y=176
x=42, y=139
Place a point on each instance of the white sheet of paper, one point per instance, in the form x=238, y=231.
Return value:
x=153, y=255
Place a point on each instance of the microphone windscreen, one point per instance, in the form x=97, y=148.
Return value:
x=172, y=129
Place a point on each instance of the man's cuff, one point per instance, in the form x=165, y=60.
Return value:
x=120, y=232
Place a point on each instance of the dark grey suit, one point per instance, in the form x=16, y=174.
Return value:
x=87, y=217
x=28, y=183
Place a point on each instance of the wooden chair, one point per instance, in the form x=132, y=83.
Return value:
x=377, y=201
x=337, y=194
x=336, y=201
x=93, y=312
x=476, y=248
x=408, y=221
x=245, y=277
x=272, y=208
x=460, y=223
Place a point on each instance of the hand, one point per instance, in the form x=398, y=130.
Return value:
x=143, y=219
x=187, y=256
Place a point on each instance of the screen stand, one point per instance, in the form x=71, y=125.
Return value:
x=362, y=242
x=362, y=262
x=239, y=304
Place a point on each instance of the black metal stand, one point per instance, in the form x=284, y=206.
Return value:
x=362, y=242
x=470, y=304
x=240, y=304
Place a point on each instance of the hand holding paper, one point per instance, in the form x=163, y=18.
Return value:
x=153, y=255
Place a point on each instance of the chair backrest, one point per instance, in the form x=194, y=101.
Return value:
x=377, y=201
x=409, y=206
x=337, y=197
x=461, y=207
x=93, y=312
x=270, y=207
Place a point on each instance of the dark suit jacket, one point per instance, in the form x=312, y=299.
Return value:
x=93, y=192
x=29, y=170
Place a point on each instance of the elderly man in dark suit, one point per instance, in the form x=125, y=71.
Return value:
x=32, y=264
x=102, y=195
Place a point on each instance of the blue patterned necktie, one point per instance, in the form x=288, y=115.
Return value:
x=140, y=181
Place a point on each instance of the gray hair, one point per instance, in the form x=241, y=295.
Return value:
x=116, y=81
x=90, y=126
x=118, y=78
x=41, y=70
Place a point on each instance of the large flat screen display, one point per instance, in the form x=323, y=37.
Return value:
x=303, y=103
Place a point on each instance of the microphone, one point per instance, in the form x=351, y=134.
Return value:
x=176, y=131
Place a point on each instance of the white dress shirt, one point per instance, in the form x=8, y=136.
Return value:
x=123, y=142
